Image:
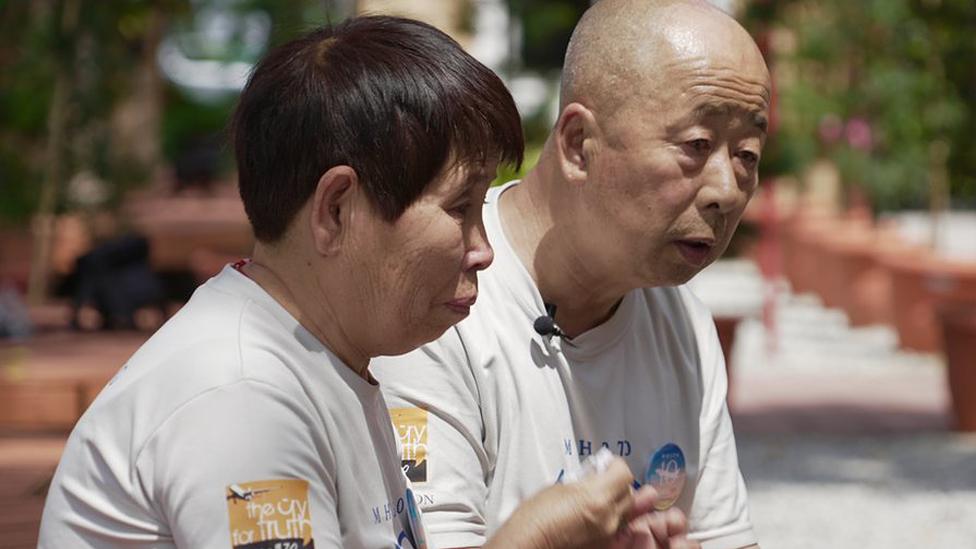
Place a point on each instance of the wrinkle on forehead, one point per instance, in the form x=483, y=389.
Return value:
x=738, y=81
x=747, y=93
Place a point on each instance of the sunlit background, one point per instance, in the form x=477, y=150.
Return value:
x=846, y=304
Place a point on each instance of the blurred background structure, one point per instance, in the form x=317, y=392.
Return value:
x=846, y=305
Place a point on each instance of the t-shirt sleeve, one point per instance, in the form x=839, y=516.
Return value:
x=239, y=464
x=435, y=407
x=719, y=516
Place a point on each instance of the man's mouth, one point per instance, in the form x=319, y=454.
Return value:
x=695, y=251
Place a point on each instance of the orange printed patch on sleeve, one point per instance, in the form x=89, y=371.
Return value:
x=270, y=514
x=411, y=427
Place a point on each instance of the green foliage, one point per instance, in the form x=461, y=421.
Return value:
x=97, y=55
x=110, y=42
x=900, y=70
x=508, y=173
x=546, y=28
x=186, y=120
x=25, y=91
x=18, y=199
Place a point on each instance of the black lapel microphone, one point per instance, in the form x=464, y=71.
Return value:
x=545, y=325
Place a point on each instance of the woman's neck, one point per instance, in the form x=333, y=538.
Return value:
x=297, y=288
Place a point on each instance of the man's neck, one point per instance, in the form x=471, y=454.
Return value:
x=532, y=215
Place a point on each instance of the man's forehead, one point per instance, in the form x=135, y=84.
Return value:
x=719, y=87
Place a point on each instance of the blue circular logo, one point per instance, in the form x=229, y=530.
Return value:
x=418, y=536
x=666, y=473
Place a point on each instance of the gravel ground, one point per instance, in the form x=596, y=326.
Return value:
x=865, y=492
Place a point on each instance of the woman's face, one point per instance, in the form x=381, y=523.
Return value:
x=420, y=271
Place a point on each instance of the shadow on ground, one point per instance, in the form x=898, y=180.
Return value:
x=908, y=462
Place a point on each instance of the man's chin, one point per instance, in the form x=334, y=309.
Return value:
x=681, y=274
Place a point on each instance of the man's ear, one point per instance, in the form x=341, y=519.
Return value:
x=331, y=208
x=576, y=124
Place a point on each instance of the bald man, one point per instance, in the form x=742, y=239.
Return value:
x=640, y=186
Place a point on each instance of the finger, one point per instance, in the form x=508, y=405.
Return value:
x=637, y=535
x=676, y=521
x=619, y=476
x=615, y=482
x=658, y=524
x=644, y=500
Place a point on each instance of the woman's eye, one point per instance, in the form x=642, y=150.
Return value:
x=460, y=210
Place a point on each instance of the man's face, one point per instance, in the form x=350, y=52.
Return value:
x=675, y=165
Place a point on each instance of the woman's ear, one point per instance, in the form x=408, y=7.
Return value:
x=576, y=124
x=331, y=208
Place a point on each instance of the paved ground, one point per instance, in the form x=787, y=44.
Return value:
x=26, y=465
x=843, y=440
x=892, y=490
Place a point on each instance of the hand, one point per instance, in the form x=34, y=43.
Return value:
x=656, y=530
x=585, y=514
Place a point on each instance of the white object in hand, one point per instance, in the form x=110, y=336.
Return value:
x=596, y=463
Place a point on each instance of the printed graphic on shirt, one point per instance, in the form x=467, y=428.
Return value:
x=412, y=535
x=417, y=531
x=411, y=427
x=666, y=473
x=270, y=514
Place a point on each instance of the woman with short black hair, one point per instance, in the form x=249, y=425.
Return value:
x=250, y=419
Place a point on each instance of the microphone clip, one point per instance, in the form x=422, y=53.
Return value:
x=545, y=325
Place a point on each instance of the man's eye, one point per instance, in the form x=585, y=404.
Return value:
x=749, y=158
x=700, y=146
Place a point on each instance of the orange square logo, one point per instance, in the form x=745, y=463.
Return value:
x=411, y=428
x=270, y=514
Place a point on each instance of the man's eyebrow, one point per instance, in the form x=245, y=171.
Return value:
x=760, y=121
x=705, y=110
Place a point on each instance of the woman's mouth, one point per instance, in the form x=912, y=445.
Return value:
x=462, y=305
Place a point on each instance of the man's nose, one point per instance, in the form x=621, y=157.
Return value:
x=720, y=191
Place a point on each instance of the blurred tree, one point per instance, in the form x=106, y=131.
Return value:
x=546, y=26
x=873, y=85
x=67, y=64
x=81, y=91
x=230, y=35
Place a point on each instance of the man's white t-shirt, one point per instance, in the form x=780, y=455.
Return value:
x=233, y=426
x=492, y=412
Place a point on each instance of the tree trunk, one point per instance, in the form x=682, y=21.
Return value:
x=56, y=125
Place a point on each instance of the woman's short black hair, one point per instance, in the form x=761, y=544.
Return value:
x=392, y=98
